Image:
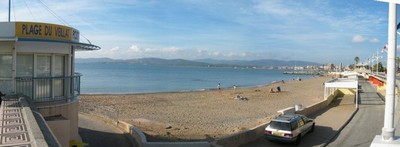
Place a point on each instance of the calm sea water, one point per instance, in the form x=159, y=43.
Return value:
x=114, y=78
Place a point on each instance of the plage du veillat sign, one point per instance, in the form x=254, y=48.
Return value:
x=46, y=31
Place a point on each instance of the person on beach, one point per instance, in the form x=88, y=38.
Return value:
x=271, y=90
x=278, y=89
x=1, y=94
x=219, y=86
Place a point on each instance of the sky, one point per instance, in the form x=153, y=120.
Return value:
x=322, y=31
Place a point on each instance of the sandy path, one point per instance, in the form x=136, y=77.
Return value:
x=203, y=115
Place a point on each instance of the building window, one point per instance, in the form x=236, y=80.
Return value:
x=24, y=65
x=6, y=73
x=43, y=66
x=6, y=66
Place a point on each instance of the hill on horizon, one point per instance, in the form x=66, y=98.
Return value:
x=200, y=62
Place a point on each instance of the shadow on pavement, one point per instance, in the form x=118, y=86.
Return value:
x=103, y=139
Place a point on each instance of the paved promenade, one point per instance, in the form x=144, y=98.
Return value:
x=368, y=121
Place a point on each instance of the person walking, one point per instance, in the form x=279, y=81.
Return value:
x=1, y=94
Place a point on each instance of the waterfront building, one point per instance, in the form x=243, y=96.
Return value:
x=37, y=63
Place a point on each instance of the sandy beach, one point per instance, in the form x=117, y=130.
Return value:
x=204, y=115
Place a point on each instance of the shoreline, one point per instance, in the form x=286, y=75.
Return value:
x=198, y=90
x=203, y=115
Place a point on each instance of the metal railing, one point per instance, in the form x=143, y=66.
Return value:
x=49, y=89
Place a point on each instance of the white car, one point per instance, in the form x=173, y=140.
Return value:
x=289, y=128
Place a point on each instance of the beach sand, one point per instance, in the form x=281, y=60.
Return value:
x=203, y=115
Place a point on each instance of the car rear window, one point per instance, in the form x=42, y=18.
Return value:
x=280, y=125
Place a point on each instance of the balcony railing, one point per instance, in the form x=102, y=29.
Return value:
x=49, y=89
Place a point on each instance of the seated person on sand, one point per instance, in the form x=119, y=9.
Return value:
x=238, y=97
x=278, y=89
x=271, y=90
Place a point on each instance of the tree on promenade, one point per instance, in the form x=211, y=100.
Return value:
x=379, y=66
x=357, y=59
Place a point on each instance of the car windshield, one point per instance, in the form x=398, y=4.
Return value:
x=280, y=125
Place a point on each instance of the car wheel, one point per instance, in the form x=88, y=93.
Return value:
x=312, y=128
x=298, y=140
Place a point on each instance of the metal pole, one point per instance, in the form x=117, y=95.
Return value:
x=377, y=62
x=388, y=128
x=9, y=10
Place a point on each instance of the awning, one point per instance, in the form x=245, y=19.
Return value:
x=344, y=83
x=78, y=45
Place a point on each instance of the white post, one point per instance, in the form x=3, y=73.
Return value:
x=377, y=62
x=388, y=128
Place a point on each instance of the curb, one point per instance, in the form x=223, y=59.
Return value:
x=328, y=141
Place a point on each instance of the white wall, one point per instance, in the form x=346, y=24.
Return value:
x=7, y=29
x=45, y=47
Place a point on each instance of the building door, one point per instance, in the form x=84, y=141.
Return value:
x=43, y=87
x=24, y=74
x=59, y=71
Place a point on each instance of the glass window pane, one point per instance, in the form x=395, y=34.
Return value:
x=43, y=66
x=24, y=65
x=58, y=87
x=59, y=66
x=6, y=66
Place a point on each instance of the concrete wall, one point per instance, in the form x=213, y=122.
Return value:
x=40, y=132
x=67, y=110
x=289, y=110
x=140, y=138
x=60, y=128
x=322, y=104
x=313, y=108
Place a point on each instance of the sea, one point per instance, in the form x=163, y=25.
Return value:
x=125, y=78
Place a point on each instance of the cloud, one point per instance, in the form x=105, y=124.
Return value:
x=358, y=38
x=273, y=7
x=135, y=49
x=374, y=40
x=114, y=49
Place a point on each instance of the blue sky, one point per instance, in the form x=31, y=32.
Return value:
x=323, y=31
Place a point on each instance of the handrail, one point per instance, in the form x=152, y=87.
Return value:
x=49, y=89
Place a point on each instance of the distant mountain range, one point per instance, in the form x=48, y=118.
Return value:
x=201, y=62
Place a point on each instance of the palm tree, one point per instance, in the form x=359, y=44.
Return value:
x=357, y=59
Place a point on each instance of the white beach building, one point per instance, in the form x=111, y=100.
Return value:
x=37, y=62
